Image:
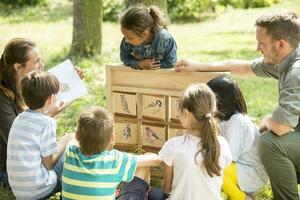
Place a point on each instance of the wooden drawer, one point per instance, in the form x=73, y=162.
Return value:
x=154, y=107
x=126, y=132
x=124, y=103
x=175, y=130
x=174, y=111
x=154, y=135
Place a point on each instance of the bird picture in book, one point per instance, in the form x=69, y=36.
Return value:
x=127, y=132
x=64, y=87
x=152, y=136
x=124, y=103
x=154, y=107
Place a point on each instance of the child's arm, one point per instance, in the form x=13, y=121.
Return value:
x=148, y=160
x=50, y=161
x=126, y=57
x=170, y=57
x=168, y=178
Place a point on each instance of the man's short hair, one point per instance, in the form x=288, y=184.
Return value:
x=36, y=87
x=284, y=25
x=95, y=129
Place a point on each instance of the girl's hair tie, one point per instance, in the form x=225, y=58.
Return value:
x=208, y=115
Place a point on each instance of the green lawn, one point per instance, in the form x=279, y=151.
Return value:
x=229, y=35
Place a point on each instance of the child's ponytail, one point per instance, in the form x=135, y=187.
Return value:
x=200, y=101
x=210, y=146
x=160, y=21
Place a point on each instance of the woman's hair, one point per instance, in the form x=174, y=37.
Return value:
x=230, y=99
x=16, y=51
x=200, y=100
x=140, y=18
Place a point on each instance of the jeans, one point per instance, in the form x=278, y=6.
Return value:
x=4, y=178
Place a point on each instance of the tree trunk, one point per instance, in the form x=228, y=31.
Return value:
x=87, y=27
x=162, y=4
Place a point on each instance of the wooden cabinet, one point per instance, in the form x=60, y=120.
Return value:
x=124, y=103
x=126, y=131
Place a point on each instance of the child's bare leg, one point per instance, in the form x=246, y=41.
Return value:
x=143, y=173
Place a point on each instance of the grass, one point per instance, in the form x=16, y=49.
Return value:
x=229, y=35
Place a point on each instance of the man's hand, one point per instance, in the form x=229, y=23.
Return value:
x=149, y=64
x=185, y=66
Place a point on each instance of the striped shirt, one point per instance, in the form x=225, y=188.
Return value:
x=32, y=136
x=96, y=176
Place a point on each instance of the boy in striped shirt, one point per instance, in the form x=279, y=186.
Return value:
x=34, y=159
x=93, y=170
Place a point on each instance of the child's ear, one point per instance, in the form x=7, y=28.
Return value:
x=17, y=67
x=145, y=34
x=50, y=100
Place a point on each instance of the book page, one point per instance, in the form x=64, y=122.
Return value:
x=71, y=86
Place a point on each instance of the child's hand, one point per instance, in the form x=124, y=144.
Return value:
x=149, y=64
x=80, y=72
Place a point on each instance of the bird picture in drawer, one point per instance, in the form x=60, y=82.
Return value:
x=124, y=103
x=174, y=110
x=154, y=107
x=126, y=132
x=153, y=136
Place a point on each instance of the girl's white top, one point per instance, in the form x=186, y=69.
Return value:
x=191, y=180
x=242, y=136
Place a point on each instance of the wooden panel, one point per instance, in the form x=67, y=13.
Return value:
x=174, y=110
x=154, y=107
x=160, y=79
x=175, y=130
x=153, y=135
x=124, y=103
x=126, y=132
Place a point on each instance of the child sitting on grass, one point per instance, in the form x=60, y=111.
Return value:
x=246, y=175
x=34, y=159
x=93, y=170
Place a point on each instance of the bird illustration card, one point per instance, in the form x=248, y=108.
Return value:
x=153, y=136
x=126, y=133
x=174, y=106
x=71, y=86
x=124, y=103
x=154, y=107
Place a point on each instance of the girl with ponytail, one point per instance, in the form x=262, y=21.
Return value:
x=146, y=44
x=246, y=175
x=194, y=162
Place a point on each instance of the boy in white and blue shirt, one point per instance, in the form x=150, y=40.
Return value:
x=34, y=158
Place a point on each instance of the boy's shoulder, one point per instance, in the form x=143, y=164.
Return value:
x=164, y=34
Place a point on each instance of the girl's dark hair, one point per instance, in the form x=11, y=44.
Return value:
x=15, y=51
x=200, y=100
x=140, y=18
x=230, y=99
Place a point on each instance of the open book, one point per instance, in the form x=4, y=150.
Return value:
x=71, y=86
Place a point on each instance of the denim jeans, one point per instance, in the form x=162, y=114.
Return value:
x=4, y=178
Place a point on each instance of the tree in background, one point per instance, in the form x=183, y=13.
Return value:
x=162, y=4
x=87, y=27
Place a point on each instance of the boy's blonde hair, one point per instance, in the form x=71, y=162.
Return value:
x=200, y=100
x=95, y=129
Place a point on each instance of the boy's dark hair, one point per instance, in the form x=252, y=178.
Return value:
x=95, y=128
x=140, y=18
x=36, y=87
x=230, y=99
x=284, y=25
